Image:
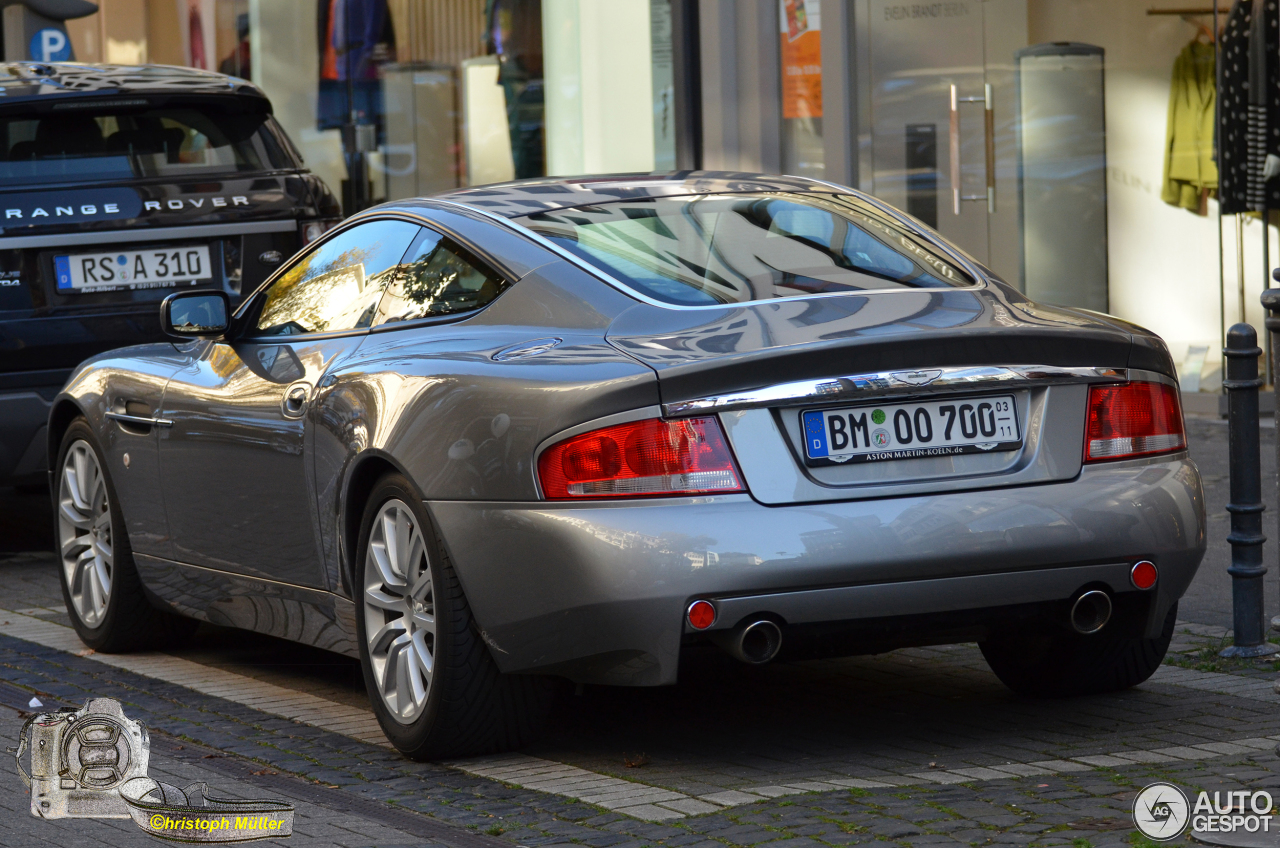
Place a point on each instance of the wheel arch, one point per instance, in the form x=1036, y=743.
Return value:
x=366, y=471
x=64, y=411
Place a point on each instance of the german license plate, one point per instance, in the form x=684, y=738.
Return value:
x=132, y=269
x=911, y=430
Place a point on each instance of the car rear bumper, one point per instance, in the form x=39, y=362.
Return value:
x=24, y=415
x=597, y=592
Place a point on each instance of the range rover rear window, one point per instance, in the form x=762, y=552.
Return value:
x=119, y=142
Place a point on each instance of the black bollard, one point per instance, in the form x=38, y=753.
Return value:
x=1246, y=507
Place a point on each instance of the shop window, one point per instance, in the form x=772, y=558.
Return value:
x=801, y=25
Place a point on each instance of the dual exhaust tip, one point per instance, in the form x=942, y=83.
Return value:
x=757, y=641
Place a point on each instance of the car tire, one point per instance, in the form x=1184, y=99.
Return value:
x=411, y=616
x=95, y=557
x=1056, y=663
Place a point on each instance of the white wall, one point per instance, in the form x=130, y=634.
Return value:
x=599, y=89
x=286, y=65
x=1163, y=260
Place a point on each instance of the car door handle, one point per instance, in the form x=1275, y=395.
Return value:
x=295, y=401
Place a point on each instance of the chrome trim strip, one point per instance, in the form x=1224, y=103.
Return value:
x=139, y=419
x=542, y=241
x=928, y=381
x=154, y=234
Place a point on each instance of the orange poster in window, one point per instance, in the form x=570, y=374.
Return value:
x=801, y=59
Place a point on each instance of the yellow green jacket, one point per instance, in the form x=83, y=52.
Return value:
x=1188, y=148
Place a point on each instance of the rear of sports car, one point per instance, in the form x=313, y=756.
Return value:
x=119, y=186
x=863, y=442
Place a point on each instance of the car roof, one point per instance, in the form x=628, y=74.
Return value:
x=53, y=81
x=525, y=197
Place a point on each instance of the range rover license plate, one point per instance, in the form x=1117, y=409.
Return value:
x=911, y=430
x=133, y=269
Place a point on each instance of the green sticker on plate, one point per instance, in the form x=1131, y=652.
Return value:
x=878, y=416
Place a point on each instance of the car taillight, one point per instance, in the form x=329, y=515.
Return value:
x=651, y=457
x=312, y=230
x=1135, y=419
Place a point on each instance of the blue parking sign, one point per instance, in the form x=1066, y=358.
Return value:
x=50, y=45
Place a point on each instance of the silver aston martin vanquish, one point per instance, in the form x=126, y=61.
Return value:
x=568, y=428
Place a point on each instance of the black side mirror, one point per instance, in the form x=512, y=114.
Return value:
x=196, y=314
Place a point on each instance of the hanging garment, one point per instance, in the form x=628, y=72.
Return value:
x=1245, y=145
x=1189, y=169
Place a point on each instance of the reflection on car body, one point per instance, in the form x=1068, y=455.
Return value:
x=557, y=428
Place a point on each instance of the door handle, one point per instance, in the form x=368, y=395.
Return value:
x=128, y=413
x=295, y=400
x=989, y=138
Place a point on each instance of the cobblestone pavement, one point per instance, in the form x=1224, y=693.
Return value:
x=916, y=747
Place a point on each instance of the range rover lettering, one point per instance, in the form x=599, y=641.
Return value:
x=119, y=185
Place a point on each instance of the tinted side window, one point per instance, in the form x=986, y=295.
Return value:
x=338, y=285
x=438, y=277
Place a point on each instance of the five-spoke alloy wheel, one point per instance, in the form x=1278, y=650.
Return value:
x=434, y=686
x=399, y=611
x=100, y=582
x=84, y=532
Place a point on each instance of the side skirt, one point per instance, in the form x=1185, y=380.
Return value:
x=310, y=616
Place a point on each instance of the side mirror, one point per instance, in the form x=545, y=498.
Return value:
x=196, y=314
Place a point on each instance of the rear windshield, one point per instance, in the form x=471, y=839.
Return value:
x=732, y=248
x=123, y=143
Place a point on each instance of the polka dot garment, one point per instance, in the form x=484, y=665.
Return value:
x=1241, y=150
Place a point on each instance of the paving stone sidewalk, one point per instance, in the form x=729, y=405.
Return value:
x=1082, y=809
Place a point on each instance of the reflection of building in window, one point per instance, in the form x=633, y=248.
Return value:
x=440, y=280
x=338, y=297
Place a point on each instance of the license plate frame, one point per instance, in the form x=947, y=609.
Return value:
x=167, y=267
x=860, y=421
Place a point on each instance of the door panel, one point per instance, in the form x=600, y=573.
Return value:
x=235, y=464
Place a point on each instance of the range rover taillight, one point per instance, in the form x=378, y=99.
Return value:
x=1133, y=419
x=312, y=230
x=641, y=459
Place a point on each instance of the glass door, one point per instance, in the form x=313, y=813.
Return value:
x=943, y=119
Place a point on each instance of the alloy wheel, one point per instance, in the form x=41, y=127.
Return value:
x=399, y=611
x=84, y=533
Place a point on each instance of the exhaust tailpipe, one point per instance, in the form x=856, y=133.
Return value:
x=1091, y=611
x=754, y=642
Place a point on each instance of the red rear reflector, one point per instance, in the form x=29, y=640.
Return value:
x=651, y=457
x=1135, y=419
x=1144, y=574
x=701, y=615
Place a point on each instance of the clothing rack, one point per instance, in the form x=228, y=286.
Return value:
x=1216, y=10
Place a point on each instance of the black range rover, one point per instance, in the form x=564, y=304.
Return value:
x=119, y=185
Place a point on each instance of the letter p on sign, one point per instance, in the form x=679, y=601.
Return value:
x=50, y=45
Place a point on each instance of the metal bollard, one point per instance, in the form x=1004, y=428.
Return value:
x=1246, y=506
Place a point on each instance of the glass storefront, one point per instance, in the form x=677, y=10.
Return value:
x=1033, y=133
